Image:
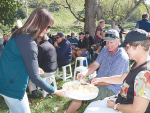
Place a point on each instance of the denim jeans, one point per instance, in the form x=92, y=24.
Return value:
x=94, y=56
x=16, y=105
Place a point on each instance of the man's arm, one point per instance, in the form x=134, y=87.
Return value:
x=88, y=71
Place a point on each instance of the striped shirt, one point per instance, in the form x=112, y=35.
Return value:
x=110, y=65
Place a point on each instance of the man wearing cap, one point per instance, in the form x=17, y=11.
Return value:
x=134, y=96
x=63, y=49
x=73, y=40
x=114, y=27
x=82, y=49
x=91, y=42
x=112, y=61
x=144, y=23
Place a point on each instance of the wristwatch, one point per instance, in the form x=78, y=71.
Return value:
x=116, y=106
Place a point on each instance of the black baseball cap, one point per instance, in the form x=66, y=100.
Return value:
x=86, y=32
x=81, y=33
x=60, y=34
x=135, y=35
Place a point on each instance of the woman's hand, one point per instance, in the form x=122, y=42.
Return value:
x=60, y=93
x=41, y=71
x=97, y=51
x=110, y=103
x=95, y=81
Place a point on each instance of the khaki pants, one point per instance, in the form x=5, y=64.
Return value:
x=103, y=93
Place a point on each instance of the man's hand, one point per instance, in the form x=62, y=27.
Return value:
x=55, y=44
x=80, y=76
x=77, y=48
x=73, y=47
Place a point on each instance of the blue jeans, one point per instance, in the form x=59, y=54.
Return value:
x=16, y=105
x=95, y=56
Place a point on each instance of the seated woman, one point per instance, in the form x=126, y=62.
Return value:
x=102, y=44
x=47, y=60
x=134, y=96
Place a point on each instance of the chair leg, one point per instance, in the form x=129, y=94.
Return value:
x=64, y=73
x=89, y=62
x=74, y=74
x=57, y=72
x=70, y=71
x=54, y=82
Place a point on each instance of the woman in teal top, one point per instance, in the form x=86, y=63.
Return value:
x=18, y=62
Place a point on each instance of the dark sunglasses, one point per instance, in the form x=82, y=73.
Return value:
x=48, y=27
x=57, y=37
x=110, y=35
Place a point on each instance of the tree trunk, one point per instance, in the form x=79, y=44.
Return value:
x=90, y=16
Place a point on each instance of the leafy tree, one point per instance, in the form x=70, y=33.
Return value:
x=118, y=11
x=8, y=13
x=22, y=13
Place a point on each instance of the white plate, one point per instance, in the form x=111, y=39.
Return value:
x=80, y=97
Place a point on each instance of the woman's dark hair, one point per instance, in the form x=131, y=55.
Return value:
x=36, y=23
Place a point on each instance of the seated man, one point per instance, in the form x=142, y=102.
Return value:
x=112, y=61
x=14, y=29
x=114, y=27
x=63, y=49
x=73, y=40
x=47, y=60
x=68, y=36
x=134, y=96
x=91, y=43
x=82, y=49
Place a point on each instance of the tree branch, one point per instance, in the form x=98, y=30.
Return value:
x=78, y=18
x=147, y=8
x=128, y=14
x=133, y=9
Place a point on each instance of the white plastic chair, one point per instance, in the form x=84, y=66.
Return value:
x=64, y=75
x=81, y=59
x=80, y=69
x=47, y=79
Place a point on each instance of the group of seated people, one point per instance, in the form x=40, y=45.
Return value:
x=129, y=86
x=19, y=62
x=113, y=75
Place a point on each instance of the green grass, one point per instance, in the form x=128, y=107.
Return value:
x=51, y=103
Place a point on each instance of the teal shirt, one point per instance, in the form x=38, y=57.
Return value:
x=18, y=63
